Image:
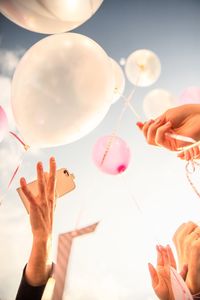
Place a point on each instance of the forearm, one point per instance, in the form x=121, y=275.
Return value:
x=39, y=265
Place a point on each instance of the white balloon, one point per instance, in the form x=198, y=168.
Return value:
x=156, y=102
x=49, y=16
x=119, y=80
x=61, y=89
x=143, y=67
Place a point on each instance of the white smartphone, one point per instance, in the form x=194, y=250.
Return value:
x=64, y=184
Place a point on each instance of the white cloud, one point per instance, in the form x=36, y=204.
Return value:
x=9, y=60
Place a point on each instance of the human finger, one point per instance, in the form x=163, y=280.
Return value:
x=160, y=261
x=196, y=152
x=41, y=182
x=154, y=275
x=194, y=235
x=184, y=272
x=52, y=179
x=146, y=127
x=171, y=258
x=152, y=131
x=183, y=230
x=164, y=256
x=160, y=137
x=27, y=192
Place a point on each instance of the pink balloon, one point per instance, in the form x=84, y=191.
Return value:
x=3, y=124
x=111, y=155
x=190, y=95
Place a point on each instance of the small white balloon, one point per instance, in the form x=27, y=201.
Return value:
x=49, y=16
x=143, y=68
x=122, y=61
x=119, y=80
x=61, y=90
x=156, y=102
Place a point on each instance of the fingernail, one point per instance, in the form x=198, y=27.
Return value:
x=139, y=124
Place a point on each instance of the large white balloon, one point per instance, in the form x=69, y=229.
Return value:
x=143, y=67
x=61, y=89
x=49, y=16
x=156, y=102
x=119, y=80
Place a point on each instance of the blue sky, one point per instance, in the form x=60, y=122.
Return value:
x=155, y=178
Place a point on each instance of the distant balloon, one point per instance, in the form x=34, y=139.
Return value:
x=190, y=95
x=143, y=68
x=3, y=124
x=61, y=90
x=156, y=102
x=122, y=61
x=111, y=155
x=48, y=17
x=119, y=80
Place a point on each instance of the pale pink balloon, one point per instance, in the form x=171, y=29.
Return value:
x=3, y=124
x=111, y=155
x=190, y=95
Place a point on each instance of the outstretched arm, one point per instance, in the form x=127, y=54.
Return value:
x=41, y=213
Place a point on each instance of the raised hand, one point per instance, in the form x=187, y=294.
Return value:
x=41, y=219
x=160, y=276
x=182, y=120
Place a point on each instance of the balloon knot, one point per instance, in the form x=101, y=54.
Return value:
x=26, y=147
x=121, y=168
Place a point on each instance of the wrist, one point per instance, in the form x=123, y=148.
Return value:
x=42, y=238
x=40, y=262
x=43, y=245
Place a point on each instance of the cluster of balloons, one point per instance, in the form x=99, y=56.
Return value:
x=65, y=84
x=111, y=154
x=49, y=17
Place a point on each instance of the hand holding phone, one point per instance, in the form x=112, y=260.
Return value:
x=64, y=184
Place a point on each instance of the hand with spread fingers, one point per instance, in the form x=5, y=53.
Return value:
x=41, y=212
x=42, y=207
x=187, y=242
x=182, y=120
x=160, y=276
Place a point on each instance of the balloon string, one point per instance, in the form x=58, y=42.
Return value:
x=12, y=178
x=26, y=147
x=117, y=127
x=137, y=205
x=188, y=173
